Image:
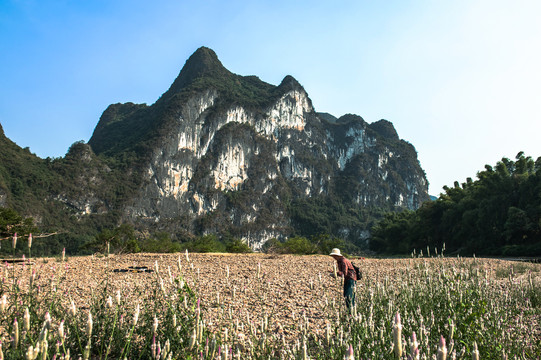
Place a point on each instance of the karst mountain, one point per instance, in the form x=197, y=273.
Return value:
x=224, y=154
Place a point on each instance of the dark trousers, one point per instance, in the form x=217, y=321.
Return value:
x=349, y=292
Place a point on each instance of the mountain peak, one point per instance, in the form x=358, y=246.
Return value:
x=202, y=63
x=203, y=59
x=290, y=83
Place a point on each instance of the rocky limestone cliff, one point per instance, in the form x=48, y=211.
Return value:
x=222, y=152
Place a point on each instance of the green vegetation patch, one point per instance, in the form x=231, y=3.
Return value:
x=497, y=214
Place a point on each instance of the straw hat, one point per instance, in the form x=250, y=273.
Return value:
x=335, y=252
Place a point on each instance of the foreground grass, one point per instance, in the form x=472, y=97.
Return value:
x=429, y=308
x=38, y=323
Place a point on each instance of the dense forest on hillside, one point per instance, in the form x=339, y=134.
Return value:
x=497, y=214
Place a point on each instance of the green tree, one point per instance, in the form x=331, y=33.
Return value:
x=205, y=244
x=12, y=223
x=299, y=245
x=518, y=226
x=236, y=245
x=119, y=240
x=160, y=243
x=325, y=243
x=273, y=246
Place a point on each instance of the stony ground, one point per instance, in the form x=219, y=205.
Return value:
x=288, y=290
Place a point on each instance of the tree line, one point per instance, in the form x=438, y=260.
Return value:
x=125, y=239
x=498, y=214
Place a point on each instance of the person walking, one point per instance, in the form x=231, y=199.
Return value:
x=346, y=270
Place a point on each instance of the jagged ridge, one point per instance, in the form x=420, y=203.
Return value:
x=136, y=127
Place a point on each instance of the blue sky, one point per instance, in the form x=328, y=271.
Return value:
x=460, y=80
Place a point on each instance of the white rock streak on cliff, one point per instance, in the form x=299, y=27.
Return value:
x=173, y=166
x=230, y=172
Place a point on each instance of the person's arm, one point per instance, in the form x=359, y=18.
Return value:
x=342, y=268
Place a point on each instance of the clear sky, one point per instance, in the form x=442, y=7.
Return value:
x=460, y=79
